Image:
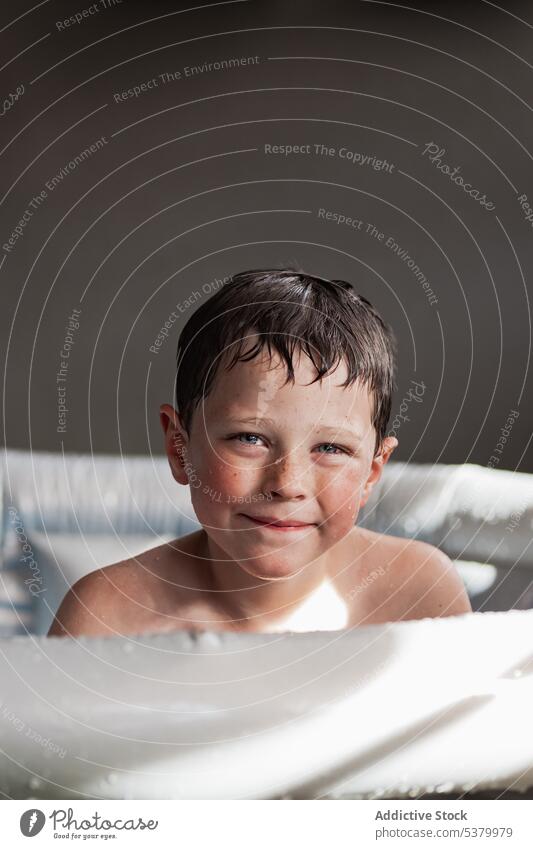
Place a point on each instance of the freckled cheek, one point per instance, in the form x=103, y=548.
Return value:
x=342, y=504
x=226, y=477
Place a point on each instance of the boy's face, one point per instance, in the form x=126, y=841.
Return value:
x=261, y=450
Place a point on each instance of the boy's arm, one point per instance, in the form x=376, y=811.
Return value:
x=437, y=588
x=87, y=608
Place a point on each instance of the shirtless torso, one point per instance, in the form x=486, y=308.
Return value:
x=169, y=588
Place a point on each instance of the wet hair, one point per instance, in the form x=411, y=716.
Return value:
x=288, y=310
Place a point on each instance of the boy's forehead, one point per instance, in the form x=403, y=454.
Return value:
x=259, y=387
x=273, y=369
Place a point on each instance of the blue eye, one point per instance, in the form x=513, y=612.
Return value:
x=253, y=435
x=330, y=445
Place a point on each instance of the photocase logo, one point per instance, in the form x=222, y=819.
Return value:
x=31, y=822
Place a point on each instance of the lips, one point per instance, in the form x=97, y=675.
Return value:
x=279, y=524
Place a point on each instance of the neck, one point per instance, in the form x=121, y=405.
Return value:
x=255, y=603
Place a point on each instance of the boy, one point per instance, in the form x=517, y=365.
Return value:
x=283, y=387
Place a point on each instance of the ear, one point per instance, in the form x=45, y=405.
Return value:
x=176, y=441
x=387, y=447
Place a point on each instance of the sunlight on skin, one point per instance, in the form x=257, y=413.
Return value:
x=323, y=610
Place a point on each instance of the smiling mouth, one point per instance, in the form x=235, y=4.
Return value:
x=277, y=526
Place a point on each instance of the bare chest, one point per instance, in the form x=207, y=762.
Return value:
x=365, y=590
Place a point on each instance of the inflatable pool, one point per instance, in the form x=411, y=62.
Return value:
x=430, y=707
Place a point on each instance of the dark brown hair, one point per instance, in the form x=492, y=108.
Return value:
x=288, y=309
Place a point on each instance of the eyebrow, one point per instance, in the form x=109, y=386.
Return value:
x=326, y=428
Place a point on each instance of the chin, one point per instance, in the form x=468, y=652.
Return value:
x=270, y=567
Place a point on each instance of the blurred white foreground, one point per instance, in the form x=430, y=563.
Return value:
x=435, y=706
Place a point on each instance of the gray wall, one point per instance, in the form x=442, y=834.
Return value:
x=180, y=194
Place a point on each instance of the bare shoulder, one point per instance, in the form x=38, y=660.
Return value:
x=432, y=586
x=405, y=579
x=91, y=606
x=129, y=596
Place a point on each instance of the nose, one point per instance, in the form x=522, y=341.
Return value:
x=286, y=478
